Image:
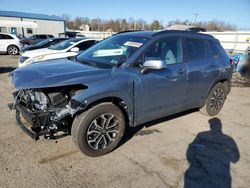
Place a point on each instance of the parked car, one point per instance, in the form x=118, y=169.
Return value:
x=67, y=48
x=196, y=29
x=43, y=44
x=126, y=80
x=243, y=64
x=34, y=39
x=79, y=35
x=10, y=44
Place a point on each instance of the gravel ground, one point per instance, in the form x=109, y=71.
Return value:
x=171, y=152
x=240, y=81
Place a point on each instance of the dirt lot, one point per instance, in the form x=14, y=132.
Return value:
x=156, y=156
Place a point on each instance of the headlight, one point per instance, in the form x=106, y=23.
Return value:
x=22, y=59
x=35, y=59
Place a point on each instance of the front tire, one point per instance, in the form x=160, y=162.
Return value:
x=215, y=100
x=12, y=50
x=98, y=130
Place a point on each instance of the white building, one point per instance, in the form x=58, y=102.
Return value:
x=84, y=27
x=29, y=24
x=235, y=41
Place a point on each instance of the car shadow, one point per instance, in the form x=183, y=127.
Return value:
x=6, y=69
x=133, y=131
x=209, y=157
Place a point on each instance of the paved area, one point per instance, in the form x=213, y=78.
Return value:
x=184, y=150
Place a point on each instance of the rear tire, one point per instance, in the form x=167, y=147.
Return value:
x=215, y=100
x=12, y=50
x=99, y=130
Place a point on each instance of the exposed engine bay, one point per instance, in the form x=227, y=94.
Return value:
x=48, y=110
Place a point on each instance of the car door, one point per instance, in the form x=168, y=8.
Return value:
x=202, y=71
x=159, y=93
x=6, y=40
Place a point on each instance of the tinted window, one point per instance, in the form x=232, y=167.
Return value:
x=216, y=51
x=50, y=36
x=85, y=45
x=195, y=49
x=8, y=37
x=168, y=50
x=65, y=44
x=42, y=37
x=4, y=37
x=29, y=31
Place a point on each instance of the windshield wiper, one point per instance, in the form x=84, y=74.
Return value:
x=86, y=62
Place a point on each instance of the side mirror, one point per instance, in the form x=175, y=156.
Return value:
x=153, y=65
x=75, y=49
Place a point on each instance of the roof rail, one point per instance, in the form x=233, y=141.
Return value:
x=180, y=31
x=127, y=31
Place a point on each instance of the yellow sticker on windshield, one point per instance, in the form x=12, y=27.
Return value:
x=133, y=44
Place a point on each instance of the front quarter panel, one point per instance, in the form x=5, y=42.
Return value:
x=119, y=85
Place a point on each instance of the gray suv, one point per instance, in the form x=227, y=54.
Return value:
x=124, y=81
x=34, y=39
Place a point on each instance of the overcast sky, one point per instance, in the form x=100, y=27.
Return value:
x=236, y=12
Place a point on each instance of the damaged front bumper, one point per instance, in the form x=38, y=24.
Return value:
x=47, y=123
x=27, y=117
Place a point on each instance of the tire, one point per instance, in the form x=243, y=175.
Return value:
x=98, y=130
x=215, y=100
x=12, y=50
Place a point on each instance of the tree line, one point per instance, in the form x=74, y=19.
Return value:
x=122, y=24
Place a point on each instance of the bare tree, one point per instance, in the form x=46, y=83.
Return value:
x=122, y=24
x=212, y=25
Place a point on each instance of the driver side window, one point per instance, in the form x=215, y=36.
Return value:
x=168, y=49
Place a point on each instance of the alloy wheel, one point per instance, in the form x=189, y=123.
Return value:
x=217, y=100
x=12, y=50
x=102, y=131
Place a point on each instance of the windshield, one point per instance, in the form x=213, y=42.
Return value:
x=64, y=44
x=112, y=51
x=43, y=42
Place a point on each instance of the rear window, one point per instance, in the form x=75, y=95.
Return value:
x=195, y=49
x=2, y=36
x=42, y=36
x=215, y=50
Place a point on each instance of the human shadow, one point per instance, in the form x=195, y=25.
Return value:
x=210, y=155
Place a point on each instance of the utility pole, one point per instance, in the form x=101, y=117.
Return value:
x=195, y=18
x=135, y=23
x=98, y=23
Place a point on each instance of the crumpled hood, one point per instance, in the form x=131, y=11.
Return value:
x=54, y=73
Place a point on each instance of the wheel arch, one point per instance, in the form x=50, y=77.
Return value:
x=119, y=102
x=224, y=81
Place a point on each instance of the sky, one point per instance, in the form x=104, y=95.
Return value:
x=236, y=12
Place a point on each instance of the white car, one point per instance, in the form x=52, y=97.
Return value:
x=10, y=44
x=64, y=49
